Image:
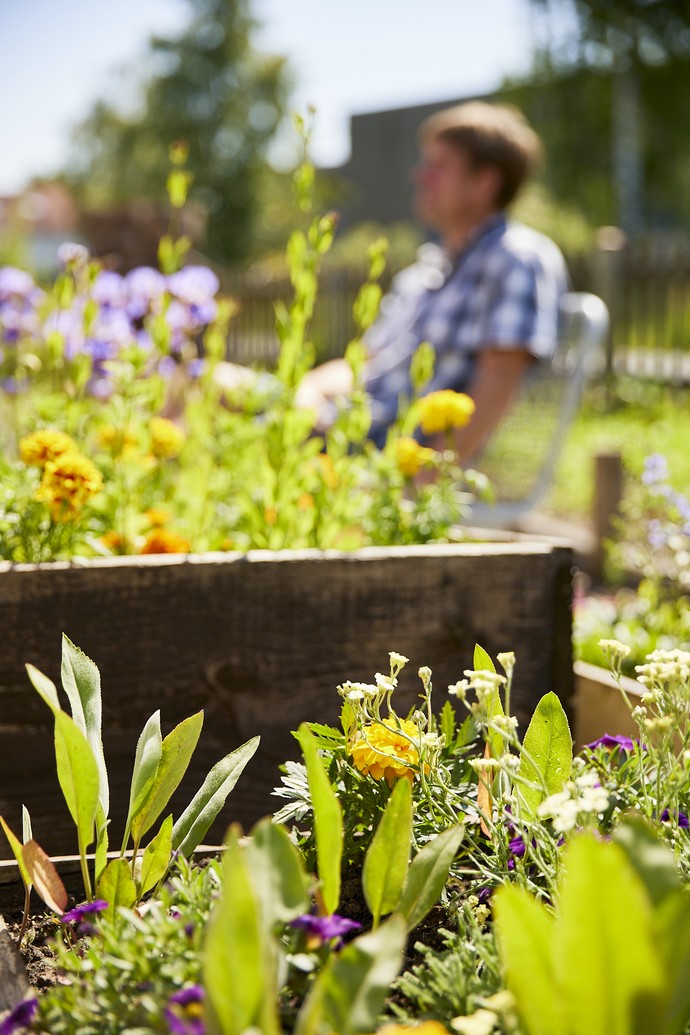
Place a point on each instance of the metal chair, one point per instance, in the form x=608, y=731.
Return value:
x=522, y=452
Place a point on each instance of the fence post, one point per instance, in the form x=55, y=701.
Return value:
x=608, y=492
x=607, y=263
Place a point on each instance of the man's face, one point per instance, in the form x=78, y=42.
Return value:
x=448, y=190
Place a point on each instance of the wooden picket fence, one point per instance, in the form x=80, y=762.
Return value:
x=646, y=286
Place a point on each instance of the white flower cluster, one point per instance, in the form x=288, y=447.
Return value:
x=581, y=796
x=665, y=666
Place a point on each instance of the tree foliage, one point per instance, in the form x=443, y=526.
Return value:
x=209, y=88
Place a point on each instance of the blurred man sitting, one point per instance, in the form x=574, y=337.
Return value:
x=486, y=296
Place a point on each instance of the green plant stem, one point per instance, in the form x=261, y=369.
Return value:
x=25, y=917
x=85, y=871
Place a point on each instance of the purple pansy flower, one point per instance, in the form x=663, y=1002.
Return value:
x=145, y=285
x=613, y=740
x=680, y=817
x=109, y=289
x=79, y=913
x=324, y=928
x=19, y=1017
x=184, y=1012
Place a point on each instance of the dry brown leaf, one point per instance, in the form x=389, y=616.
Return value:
x=45, y=877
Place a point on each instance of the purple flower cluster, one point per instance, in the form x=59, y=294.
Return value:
x=184, y=1012
x=110, y=314
x=79, y=916
x=19, y=1017
x=321, y=929
x=613, y=741
x=676, y=506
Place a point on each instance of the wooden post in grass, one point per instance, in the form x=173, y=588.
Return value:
x=608, y=492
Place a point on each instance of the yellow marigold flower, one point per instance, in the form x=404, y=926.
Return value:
x=270, y=515
x=328, y=472
x=68, y=483
x=166, y=438
x=386, y=753
x=162, y=540
x=439, y=411
x=116, y=440
x=158, y=516
x=410, y=456
x=305, y=502
x=45, y=445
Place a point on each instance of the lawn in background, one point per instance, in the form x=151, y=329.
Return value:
x=633, y=417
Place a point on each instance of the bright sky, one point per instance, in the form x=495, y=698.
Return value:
x=347, y=56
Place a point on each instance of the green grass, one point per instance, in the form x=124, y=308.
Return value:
x=635, y=418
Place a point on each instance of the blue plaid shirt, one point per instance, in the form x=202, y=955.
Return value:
x=502, y=291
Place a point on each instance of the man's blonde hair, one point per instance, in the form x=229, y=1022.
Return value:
x=493, y=135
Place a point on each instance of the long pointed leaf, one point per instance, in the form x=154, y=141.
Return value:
x=176, y=752
x=191, y=827
x=116, y=886
x=146, y=761
x=278, y=874
x=547, y=760
x=328, y=821
x=45, y=687
x=427, y=876
x=156, y=858
x=16, y=846
x=78, y=775
x=81, y=681
x=386, y=861
x=234, y=976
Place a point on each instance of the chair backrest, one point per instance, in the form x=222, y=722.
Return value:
x=521, y=454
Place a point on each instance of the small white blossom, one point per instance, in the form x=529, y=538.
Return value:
x=459, y=689
x=615, y=648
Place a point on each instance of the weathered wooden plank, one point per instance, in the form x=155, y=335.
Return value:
x=260, y=642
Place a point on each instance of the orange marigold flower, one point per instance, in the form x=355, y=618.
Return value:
x=270, y=515
x=167, y=439
x=423, y=1028
x=45, y=445
x=114, y=541
x=305, y=502
x=410, y=456
x=162, y=540
x=442, y=410
x=387, y=753
x=158, y=516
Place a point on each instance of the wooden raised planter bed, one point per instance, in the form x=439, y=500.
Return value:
x=260, y=642
x=598, y=705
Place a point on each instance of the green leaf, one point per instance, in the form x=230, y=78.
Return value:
x=609, y=971
x=672, y=924
x=156, y=858
x=278, y=875
x=176, y=752
x=116, y=886
x=651, y=859
x=81, y=681
x=525, y=934
x=328, y=822
x=191, y=827
x=16, y=846
x=27, y=835
x=427, y=876
x=348, y=995
x=234, y=946
x=101, y=860
x=78, y=775
x=448, y=723
x=494, y=707
x=44, y=877
x=45, y=687
x=327, y=737
x=146, y=761
x=482, y=660
x=547, y=760
x=387, y=860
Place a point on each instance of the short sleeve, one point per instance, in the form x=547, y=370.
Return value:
x=523, y=312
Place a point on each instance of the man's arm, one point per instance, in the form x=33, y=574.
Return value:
x=499, y=373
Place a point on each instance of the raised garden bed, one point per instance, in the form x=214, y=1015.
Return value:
x=260, y=641
x=598, y=705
